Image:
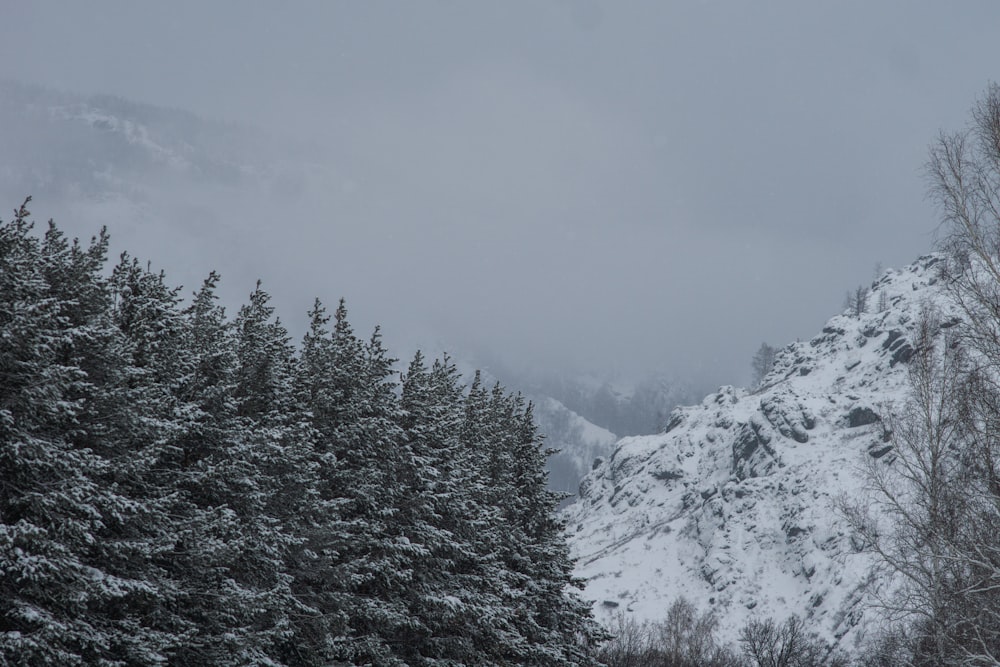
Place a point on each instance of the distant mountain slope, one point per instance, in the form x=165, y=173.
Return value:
x=578, y=443
x=58, y=144
x=733, y=507
x=166, y=182
x=581, y=414
x=620, y=406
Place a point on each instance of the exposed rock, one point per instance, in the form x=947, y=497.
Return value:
x=878, y=451
x=893, y=340
x=862, y=416
x=752, y=454
x=903, y=354
x=732, y=506
x=676, y=419
x=787, y=416
x=668, y=475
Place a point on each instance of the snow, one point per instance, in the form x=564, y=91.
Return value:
x=735, y=506
x=585, y=433
x=576, y=440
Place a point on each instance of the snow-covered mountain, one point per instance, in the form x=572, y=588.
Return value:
x=578, y=443
x=58, y=144
x=734, y=506
x=619, y=404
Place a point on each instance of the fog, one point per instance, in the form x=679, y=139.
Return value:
x=581, y=185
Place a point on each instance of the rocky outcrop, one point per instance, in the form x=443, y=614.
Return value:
x=735, y=505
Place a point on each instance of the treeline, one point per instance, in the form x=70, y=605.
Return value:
x=687, y=637
x=182, y=488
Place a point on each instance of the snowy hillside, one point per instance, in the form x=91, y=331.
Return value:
x=734, y=506
x=622, y=405
x=578, y=443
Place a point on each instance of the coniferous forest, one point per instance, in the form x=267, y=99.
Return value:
x=179, y=487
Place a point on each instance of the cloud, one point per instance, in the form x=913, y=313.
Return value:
x=632, y=185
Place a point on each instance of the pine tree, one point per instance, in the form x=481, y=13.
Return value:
x=231, y=598
x=253, y=481
x=452, y=594
x=561, y=627
x=763, y=362
x=363, y=555
x=368, y=443
x=498, y=637
x=65, y=596
x=317, y=582
x=125, y=418
x=178, y=488
x=540, y=621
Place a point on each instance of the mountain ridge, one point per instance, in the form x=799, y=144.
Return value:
x=734, y=505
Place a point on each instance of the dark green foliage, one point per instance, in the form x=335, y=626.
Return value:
x=179, y=488
x=525, y=543
x=73, y=585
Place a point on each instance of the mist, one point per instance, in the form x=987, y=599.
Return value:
x=627, y=187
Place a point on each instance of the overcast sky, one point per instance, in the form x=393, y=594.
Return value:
x=644, y=186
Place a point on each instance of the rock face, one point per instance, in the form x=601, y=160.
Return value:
x=735, y=505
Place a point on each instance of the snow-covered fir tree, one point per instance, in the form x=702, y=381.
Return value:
x=181, y=488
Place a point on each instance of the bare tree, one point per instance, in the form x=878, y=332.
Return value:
x=883, y=301
x=685, y=638
x=688, y=638
x=630, y=645
x=964, y=169
x=763, y=362
x=768, y=644
x=890, y=647
x=965, y=183
x=934, y=517
x=856, y=301
x=877, y=272
x=910, y=519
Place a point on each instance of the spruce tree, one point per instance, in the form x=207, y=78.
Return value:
x=65, y=596
x=560, y=624
x=254, y=480
x=318, y=583
x=500, y=640
x=450, y=595
x=126, y=420
x=541, y=621
x=367, y=441
x=161, y=414
x=178, y=488
x=222, y=560
x=362, y=563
